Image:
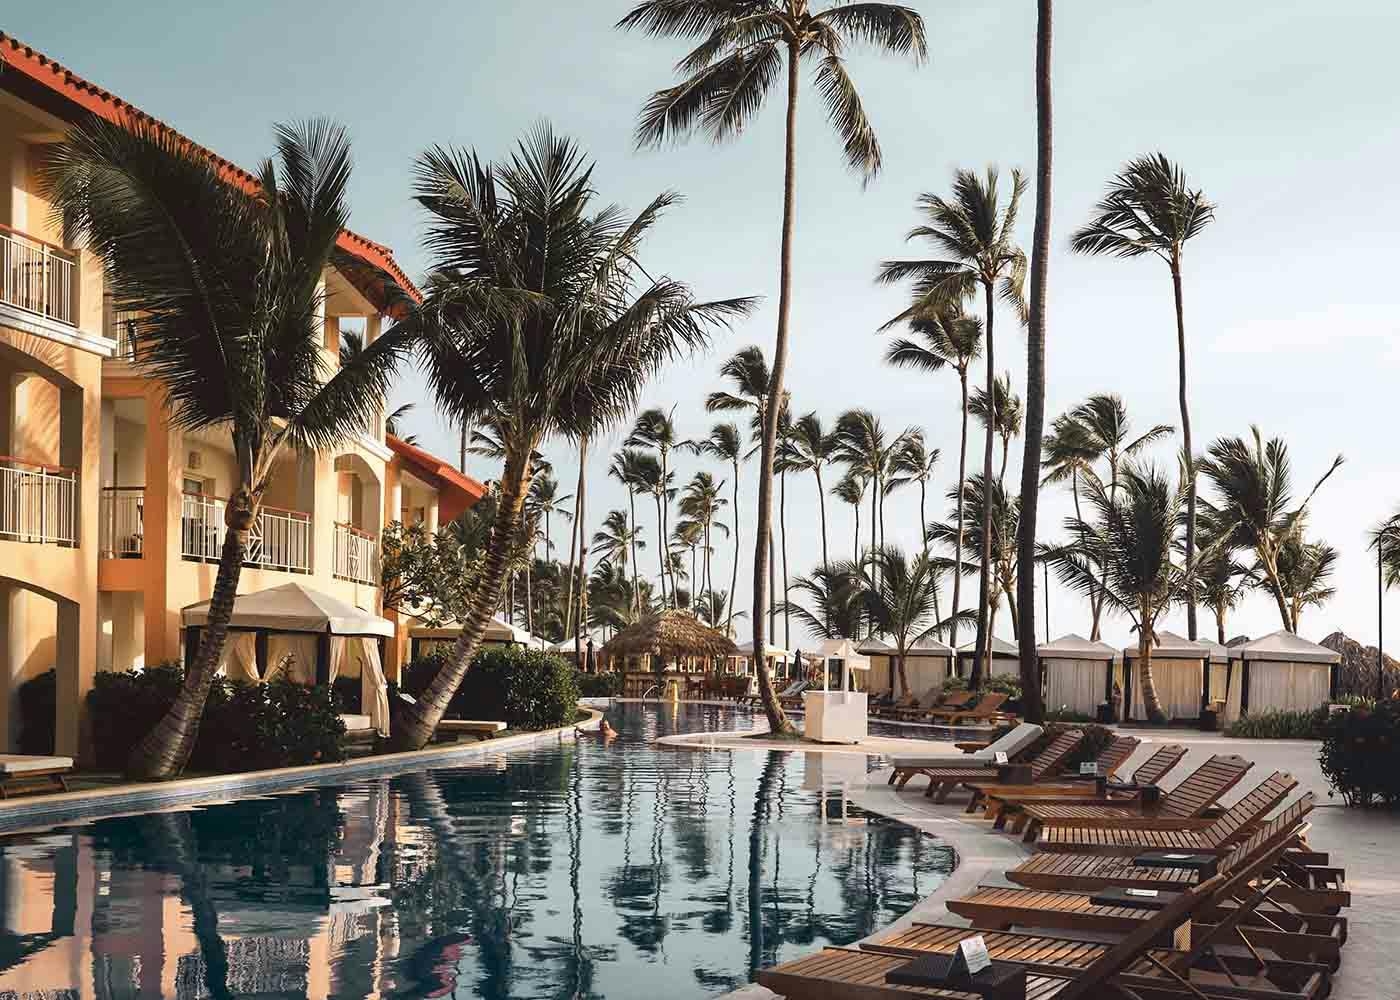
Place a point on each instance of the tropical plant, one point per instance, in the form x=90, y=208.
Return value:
x=901, y=598
x=617, y=542
x=1151, y=209
x=236, y=341
x=867, y=452
x=393, y=423
x=1133, y=534
x=1003, y=516
x=975, y=233
x=544, y=500
x=744, y=46
x=1221, y=581
x=539, y=321
x=647, y=468
x=1000, y=412
x=946, y=339
x=1304, y=571
x=835, y=605
x=655, y=428
x=725, y=444
x=850, y=489
x=702, y=502
x=811, y=448
x=1253, y=505
x=628, y=468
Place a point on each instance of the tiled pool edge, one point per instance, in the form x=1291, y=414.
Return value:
x=95, y=803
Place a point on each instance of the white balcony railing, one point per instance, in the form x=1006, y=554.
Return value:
x=121, y=327
x=38, y=502
x=121, y=522
x=280, y=539
x=37, y=277
x=356, y=555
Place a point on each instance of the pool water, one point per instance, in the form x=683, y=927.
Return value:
x=585, y=869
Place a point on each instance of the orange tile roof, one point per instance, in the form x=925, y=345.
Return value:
x=77, y=96
x=456, y=490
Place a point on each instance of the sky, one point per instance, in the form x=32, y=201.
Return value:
x=1282, y=113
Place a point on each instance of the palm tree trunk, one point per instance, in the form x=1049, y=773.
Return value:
x=417, y=721
x=734, y=574
x=923, y=533
x=1096, y=598
x=636, y=587
x=855, y=547
x=529, y=599
x=1149, y=687
x=962, y=490
x=777, y=720
x=1220, y=627
x=903, y=680
x=984, y=574
x=166, y=749
x=1005, y=454
x=666, y=515
x=821, y=501
x=581, y=516
x=661, y=552
x=782, y=525
x=772, y=589
x=575, y=530
x=1188, y=457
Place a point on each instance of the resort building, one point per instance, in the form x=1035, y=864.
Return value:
x=111, y=519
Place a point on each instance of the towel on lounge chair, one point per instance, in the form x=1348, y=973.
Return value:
x=1011, y=744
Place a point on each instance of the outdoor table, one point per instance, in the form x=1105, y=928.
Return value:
x=998, y=981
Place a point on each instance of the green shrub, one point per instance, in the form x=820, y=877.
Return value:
x=1067, y=715
x=38, y=703
x=1361, y=754
x=126, y=706
x=1003, y=684
x=955, y=683
x=605, y=685
x=524, y=688
x=1280, y=725
x=1096, y=739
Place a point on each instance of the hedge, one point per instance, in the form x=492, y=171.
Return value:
x=524, y=688
x=1361, y=754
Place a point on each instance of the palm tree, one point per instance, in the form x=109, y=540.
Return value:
x=393, y=424
x=725, y=444
x=235, y=342
x=1221, y=581
x=617, y=543
x=656, y=429
x=1032, y=707
x=1004, y=511
x=812, y=448
x=1070, y=453
x=864, y=448
x=1150, y=209
x=1002, y=415
x=650, y=480
x=837, y=601
x=1253, y=486
x=977, y=237
x=901, y=598
x=850, y=489
x=702, y=502
x=946, y=338
x=727, y=77
x=540, y=321
x=544, y=499
x=1134, y=534
x=627, y=468
x=913, y=462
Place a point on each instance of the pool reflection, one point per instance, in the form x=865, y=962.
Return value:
x=577, y=870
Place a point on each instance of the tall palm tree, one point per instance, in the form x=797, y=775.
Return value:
x=744, y=46
x=901, y=596
x=1070, y=453
x=836, y=606
x=1001, y=412
x=913, y=462
x=1150, y=209
x=627, y=468
x=850, y=489
x=1032, y=707
x=1004, y=514
x=617, y=542
x=656, y=429
x=393, y=423
x=545, y=500
x=946, y=339
x=1221, y=581
x=1254, y=494
x=975, y=233
x=865, y=448
x=725, y=444
x=1134, y=534
x=812, y=449
x=235, y=338
x=540, y=321
x=648, y=472
x=702, y=501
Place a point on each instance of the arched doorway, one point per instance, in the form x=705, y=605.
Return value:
x=40, y=632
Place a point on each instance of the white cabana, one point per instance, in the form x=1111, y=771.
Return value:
x=927, y=664
x=304, y=636
x=839, y=658
x=1076, y=673
x=424, y=640
x=881, y=656
x=779, y=660
x=1283, y=672
x=1180, y=673
x=1006, y=658
x=1221, y=676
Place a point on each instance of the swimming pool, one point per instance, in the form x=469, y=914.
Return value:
x=585, y=869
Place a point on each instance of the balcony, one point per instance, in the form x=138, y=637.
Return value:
x=356, y=556
x=280, y=539
x=121, y=525
x=38, y=277
x=38, y=502
x=120, y=326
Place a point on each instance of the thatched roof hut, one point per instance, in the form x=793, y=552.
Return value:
x=672, y=635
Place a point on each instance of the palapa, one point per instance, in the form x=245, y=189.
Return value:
x=670, y=635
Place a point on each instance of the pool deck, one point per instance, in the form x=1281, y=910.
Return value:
x=1364, y=842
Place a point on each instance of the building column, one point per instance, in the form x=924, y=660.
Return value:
x=11, y=661
x=162, y=533
x=75, y=655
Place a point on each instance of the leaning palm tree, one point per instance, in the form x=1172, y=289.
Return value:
x=228, y=283
x=540, y=321
x=975, y=234
x=1150, y=209
x=901, y=597
x=744, y=47
x=835, y=606
x=1253, y=505
x=811, y=449
x=1001, y=412
x=1134, y=534
x=946, y=339
x=725, y=444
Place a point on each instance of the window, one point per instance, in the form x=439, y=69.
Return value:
x=189, y=484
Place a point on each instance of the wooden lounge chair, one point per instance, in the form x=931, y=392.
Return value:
x=30, y=774
x=985, y=709
x=1110, y=761
x=942, y=780
x=1197, y=793
x=1159, y=833
x=477, y=729
x=1019, y=739
x=1293, y=934
x=932, y=699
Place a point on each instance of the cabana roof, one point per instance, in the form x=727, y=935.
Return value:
x=293, y=607
x=1000, y=648
x=1285, y=647
x=843, y=649
x=496, y=631
x=1218, y=653
x=1075, y=647
x=875, y=647
x=746, y=649
x=1171, y=646
x=670, y=634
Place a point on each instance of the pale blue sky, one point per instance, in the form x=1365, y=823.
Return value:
x=1283, y=112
